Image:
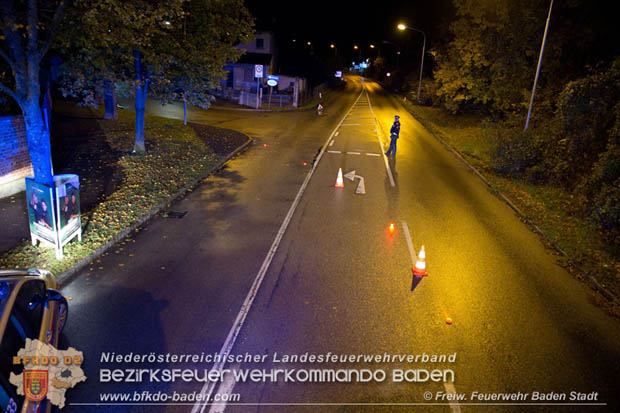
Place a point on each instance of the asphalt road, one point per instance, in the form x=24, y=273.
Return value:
x=340, y=282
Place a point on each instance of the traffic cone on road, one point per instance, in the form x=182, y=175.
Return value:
x=420, y=264
x=339, y=181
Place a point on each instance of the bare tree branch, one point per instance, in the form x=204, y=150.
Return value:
x=9, y=61
x=60, y=9
x=32, y=28
x=11, y=93
x=12, y=37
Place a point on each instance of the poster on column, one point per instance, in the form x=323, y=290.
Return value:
x=68, y=207
x=41, y=216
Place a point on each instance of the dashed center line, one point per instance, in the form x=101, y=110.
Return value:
x=354, y=153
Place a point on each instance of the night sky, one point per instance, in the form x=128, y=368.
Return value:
x=349, y=23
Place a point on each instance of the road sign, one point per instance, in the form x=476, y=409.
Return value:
x=258, y=70
x=272, y=82
x=338, y=74
x=273, y=77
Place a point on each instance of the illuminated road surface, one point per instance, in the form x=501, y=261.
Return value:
x=340, y=282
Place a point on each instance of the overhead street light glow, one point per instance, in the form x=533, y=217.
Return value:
x=403, y=27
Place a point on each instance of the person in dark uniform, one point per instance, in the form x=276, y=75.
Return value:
x=394, y=132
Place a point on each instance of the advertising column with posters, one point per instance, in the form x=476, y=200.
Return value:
x=54, y=213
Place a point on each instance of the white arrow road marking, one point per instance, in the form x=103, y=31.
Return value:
x=350, y=175
x=361, y=189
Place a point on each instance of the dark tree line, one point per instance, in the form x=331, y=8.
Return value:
x=488, y=66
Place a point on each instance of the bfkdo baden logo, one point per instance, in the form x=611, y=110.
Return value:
x=48, y=372
x=35, y=384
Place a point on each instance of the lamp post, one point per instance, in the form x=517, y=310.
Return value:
x=542, y=50
x=333, y=46
x=403, y=27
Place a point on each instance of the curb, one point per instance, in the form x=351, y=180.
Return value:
x=71, y=273
x=591, y=279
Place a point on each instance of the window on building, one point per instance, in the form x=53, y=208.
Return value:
x=260, y=43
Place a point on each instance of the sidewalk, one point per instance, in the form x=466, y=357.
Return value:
x=79, y=146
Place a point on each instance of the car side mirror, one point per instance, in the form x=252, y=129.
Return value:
x=52, y=295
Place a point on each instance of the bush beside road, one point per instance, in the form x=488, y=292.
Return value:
x=119, y=188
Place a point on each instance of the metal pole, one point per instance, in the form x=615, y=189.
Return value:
x=421, y=65
x=542, y=50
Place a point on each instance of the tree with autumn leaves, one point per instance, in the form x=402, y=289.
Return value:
x=173, y=49
x=170, y=50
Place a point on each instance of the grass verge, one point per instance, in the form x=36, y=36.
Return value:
x=545, y=206
x=124, y=186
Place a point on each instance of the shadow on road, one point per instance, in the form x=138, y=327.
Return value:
x=100, y=325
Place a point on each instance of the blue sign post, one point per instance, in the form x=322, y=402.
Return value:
x=272, y=80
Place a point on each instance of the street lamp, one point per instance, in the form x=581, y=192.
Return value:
x=359, y=52
x=372, y=46
x=333, y=46
x=403, y=27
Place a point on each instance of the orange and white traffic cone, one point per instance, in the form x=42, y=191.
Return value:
x=339, y=181
x=420, y=264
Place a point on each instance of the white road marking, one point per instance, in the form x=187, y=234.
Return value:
x=332, y=142
x=361, y=189
x=353, y=153
x=409, y=243
x=209, y=387
x=454, y=405
x=373, y=154
x=225, y=388
x=350, y=175
x=387, y=165
x=337, y=133
x=334, y=151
